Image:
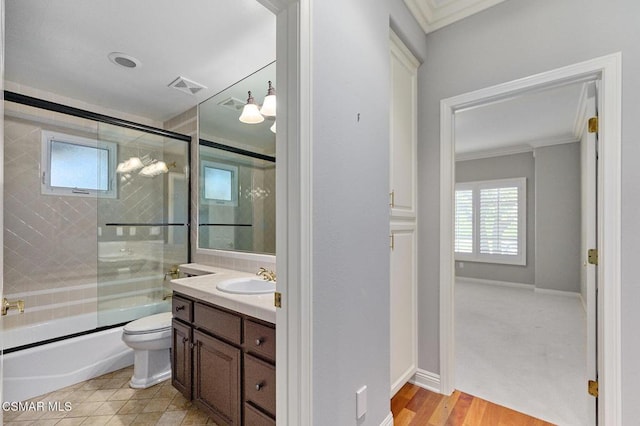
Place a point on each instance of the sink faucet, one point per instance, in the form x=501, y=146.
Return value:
x=266, y=274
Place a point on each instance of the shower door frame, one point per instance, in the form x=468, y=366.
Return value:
x=18, y=98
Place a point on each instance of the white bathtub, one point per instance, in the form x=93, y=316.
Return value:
x=45, y=368
x=42, y=369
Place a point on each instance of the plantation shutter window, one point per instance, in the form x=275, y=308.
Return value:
x=490, y=221
x=464, y=221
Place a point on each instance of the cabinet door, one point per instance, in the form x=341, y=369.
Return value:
x=216, y=378
x=181, y=358
x=403, y=309
x=403, y=130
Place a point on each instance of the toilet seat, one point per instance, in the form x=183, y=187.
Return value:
x=151, y=324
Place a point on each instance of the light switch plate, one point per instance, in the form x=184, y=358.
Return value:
x=361, y=402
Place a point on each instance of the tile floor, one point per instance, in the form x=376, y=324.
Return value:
x=108, y=400
x=523, y=350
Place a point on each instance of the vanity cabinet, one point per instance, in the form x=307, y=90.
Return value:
x=224, y=361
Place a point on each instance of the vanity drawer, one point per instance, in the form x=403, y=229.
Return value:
x=218, y=322
x=182, y=308
x=254, y=417
x=260, y=383
x=260, y=339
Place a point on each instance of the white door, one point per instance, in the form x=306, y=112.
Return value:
x=403, y=305
x=588, y=275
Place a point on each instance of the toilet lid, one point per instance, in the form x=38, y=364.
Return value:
x=149, y=324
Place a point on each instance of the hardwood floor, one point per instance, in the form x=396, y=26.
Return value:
x=415, y=406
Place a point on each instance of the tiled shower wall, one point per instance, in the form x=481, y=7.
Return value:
x=49, y=241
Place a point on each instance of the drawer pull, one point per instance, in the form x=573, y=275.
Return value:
x=185, y=339
x=179, y=308
x=259, y=386
x=259, y=341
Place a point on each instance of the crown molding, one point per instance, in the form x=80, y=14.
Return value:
x=435, y=14
x=528, y=146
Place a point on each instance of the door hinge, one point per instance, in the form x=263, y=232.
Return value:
x=593, y=125
x=593, y=388
x=392, y=241
x=592, y=256
x=277, y=299
x=392, y=199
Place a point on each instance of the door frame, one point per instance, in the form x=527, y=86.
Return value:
x=608, y=70
x=294, y=339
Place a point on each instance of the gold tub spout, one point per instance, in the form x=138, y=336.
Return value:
x=16, y=304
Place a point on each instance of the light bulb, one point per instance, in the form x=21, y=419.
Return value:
x=269, y=105
x=250, y=113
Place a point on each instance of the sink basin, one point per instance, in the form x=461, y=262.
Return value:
x=247, y=286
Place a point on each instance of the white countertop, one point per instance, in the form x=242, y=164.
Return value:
x=203, y=287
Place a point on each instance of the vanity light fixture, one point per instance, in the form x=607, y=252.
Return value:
x=130, y=165
x=154, y=169
x=250, y=113
x=269, y=105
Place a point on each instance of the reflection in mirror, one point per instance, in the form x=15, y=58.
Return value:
x=236, y=168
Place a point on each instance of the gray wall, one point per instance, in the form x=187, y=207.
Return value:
x=350, y=171
x=558, y=217
x=515, y=39
x=503, y=167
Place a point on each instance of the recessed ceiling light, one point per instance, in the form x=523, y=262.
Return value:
x=124, y=60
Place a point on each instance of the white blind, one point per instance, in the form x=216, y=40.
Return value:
x=464, y=221
x=498, y=233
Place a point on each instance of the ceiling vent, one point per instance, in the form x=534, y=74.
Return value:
x=232, y=103
x=186, y=85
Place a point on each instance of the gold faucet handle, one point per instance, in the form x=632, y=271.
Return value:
x=174, y=272
x=16, y=304
x=266, y=274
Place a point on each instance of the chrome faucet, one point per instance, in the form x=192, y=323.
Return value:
x=266, y=274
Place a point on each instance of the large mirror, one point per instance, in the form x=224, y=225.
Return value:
x=236, y=169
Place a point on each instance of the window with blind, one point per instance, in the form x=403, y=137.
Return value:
x=490, y=221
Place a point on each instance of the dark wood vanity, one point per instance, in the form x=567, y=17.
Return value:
x=224, y=361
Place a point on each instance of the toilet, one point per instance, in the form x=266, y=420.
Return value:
x=150, y=339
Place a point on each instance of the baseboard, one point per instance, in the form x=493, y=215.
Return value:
x=494, y=282
x=557, y=292
x=388, y=421
x=427, y=380
x=406, y=377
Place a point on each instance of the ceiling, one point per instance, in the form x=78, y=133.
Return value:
x=518, y=124
x=62, y=47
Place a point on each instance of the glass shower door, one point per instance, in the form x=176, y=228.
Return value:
x=143, y=227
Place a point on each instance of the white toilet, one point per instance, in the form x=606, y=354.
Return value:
x=150, y=339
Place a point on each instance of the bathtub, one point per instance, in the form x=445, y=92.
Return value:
x=52, y=366
x=42, y=369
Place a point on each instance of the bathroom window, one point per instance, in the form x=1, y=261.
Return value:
x=219, y=183
x=490, y=221
x=77, y=166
